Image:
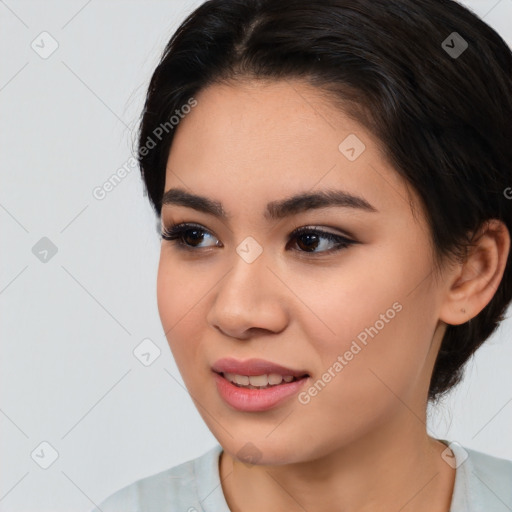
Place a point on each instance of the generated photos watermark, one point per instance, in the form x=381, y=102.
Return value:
x=355, y=348
x=101, y=191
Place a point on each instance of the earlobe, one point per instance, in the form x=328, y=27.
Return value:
x=473, y=283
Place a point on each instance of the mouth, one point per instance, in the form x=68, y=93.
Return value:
x=255, y=368
x=263, y=381
x=256, y=385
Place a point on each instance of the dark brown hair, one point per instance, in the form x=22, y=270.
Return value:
x=439, y=103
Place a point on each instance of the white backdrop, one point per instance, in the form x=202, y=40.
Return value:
x=78, y=273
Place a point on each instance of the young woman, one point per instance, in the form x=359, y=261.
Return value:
x=333, y=183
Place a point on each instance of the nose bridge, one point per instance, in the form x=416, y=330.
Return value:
x=246, y=280
x=247, y=298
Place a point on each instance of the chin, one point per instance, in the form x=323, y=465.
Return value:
x=256, y=451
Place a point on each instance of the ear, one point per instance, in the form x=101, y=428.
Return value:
x=473, y=283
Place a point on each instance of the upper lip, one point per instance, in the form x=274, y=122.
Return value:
x=254, y=367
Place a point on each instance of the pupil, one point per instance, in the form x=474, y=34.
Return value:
x=194, y=237
x=312, y=240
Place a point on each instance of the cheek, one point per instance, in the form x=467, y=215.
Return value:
x=357, y=383
x=167, y=289
x=180, y=290
x=179, y=296
x=372, y=328
x=351, y=301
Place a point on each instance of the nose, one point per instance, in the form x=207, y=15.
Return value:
x=250, y=298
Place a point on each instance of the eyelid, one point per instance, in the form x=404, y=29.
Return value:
x=295, y=230
x=175, y=230
x=343, y=233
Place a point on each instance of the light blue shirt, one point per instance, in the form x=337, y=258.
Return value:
x=483, y=483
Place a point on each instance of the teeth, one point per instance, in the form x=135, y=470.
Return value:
x=274, y=378
x=258, y=381
x=242, y=380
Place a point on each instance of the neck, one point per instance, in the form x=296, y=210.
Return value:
x=396, y=467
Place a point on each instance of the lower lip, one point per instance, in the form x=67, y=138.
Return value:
x=256, y=400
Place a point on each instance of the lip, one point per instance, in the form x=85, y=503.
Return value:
x=255, y=400
x=254, y=367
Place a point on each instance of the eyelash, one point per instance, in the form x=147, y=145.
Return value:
x=175, y=233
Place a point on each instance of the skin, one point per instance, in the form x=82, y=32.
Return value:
x=360, y=444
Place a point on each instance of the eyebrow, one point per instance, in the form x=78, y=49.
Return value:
x=275, y=209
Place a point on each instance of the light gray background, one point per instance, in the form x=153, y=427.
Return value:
x=69, y=326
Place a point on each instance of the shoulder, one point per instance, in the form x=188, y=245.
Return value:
x=170, y=490
x=483, y=482
x=492, y=470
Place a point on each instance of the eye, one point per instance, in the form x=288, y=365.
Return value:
x=309, y=239
x=187, y=236
x=190, y=237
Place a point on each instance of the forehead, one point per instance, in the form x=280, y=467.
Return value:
x=247, y=140
x=257, y=119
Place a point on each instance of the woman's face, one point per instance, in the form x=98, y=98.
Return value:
x=361, y=320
